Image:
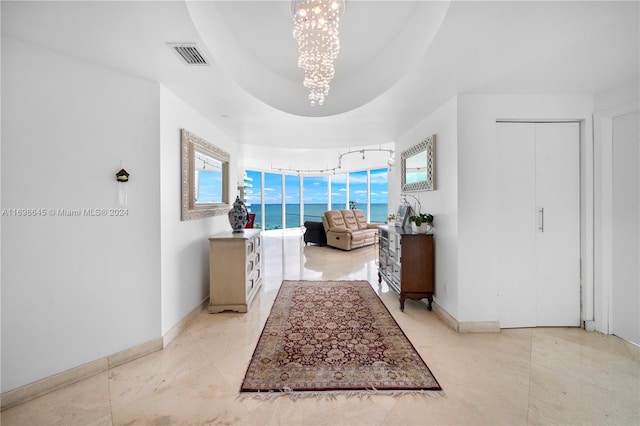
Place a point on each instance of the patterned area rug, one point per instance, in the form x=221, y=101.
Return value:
x=324, y=338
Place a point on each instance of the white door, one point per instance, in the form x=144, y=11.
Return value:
x=558, y=236
x=625, y=290
x=515, y=224
x=538, y=224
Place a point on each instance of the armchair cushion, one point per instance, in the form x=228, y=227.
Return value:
x=334, y=218
x=340, y=229
x=350, y=220
x=360, y=219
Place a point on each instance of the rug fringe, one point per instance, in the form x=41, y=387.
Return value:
x=332, y=395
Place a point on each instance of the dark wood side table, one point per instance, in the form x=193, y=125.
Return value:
x=407, y=263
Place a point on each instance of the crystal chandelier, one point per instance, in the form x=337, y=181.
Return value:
x=316, y=31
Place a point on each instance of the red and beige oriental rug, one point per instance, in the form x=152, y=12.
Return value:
x=324, y=338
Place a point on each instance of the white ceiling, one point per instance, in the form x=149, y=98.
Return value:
x=399, y=60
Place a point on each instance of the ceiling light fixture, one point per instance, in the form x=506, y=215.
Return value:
x=316, y=31
x=390, y=162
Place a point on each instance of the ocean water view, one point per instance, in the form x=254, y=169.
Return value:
x=312, y=212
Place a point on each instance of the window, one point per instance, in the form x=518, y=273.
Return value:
x=292, y=200
x=368, y=188
x=315, y=197
x=358, y=190
x=253, y=195
x=272, y=201
x=379, y=194
x=339, y=191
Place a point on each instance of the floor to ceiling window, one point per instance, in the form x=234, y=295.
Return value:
x=339, y=191
x=316, y=196
x=379, y=194
x=283, y=194
x=292, y=200
x=253, y=195
x=272, y=201
x=358, y=191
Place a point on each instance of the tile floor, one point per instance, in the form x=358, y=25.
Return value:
x=515, y=377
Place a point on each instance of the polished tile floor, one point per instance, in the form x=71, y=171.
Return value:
x=515, y=377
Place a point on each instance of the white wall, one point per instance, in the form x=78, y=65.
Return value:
x=443, y=202
x=617, y=96
x=477, y=115
x=185, y=245
x=625, y=289
x=76, y=289
x=608, y=106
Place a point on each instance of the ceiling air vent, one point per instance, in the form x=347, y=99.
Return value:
x=189, y=53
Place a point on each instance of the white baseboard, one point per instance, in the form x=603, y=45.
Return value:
x=183, y=323
x=41, y=387
x=466, y=326
x=57, y=381
x=445, y=316
x=134, y=352
x=479, y=327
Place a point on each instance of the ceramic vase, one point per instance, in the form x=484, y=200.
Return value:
x=238, y=216
x=424, y=228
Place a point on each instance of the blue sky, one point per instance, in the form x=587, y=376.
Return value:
x=210, y=189
x=316, y=188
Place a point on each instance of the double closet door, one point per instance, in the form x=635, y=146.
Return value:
x=538, y=224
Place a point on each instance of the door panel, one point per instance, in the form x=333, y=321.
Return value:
x=515, y=218
x=558, y=239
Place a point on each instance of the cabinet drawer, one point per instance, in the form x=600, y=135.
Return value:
x=389, y=269
x=253, y=246
x=383, y=261
x=393, y=242
x=250, y=284
x=253, y=262
x=396, y=271
x=392, y=255
x=253, y=280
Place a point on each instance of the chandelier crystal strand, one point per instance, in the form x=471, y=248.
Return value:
x=316, y=31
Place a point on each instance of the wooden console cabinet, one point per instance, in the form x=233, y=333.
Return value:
x=235, y=270
x=407, y=263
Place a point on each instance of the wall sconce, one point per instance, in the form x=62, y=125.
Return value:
x=122, y=177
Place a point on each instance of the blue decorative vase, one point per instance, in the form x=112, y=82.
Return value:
x=238, y=216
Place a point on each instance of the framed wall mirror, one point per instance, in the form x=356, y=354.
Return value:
x=205, y=178
x=418, y=166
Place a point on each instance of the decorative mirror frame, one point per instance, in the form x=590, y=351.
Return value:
x=190, y=209
x=427, y=145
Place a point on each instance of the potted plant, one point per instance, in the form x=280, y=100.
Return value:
x=422, y=221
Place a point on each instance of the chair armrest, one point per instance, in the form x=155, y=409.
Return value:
x=374, y=225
